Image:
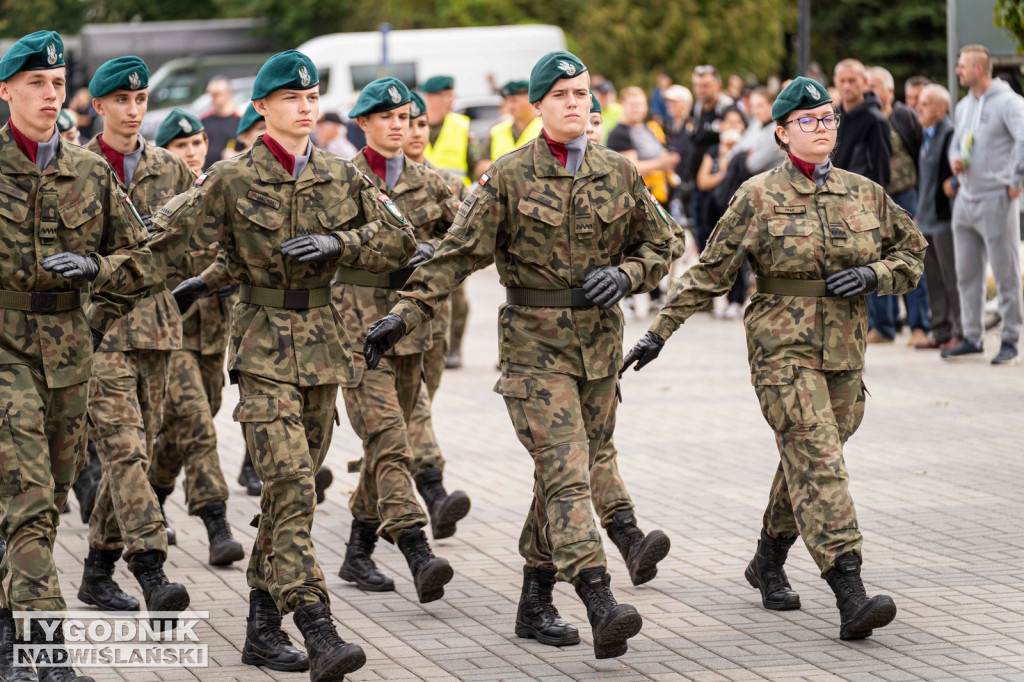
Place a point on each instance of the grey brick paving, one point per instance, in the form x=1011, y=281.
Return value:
x=937, y=474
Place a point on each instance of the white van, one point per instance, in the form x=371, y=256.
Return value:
x=348, y=61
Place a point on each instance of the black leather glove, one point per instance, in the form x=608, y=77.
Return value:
x=855, y=281
x=72, y=265
x=644, y=352
x=606, y=285
x=186, y=293
x=382, y=337
x=311, y=247
x=226, y=290
x=97, y=338
x=424, y=252
x=147, y=220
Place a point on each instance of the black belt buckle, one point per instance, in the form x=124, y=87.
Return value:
x=296, y=299
x=44, y=302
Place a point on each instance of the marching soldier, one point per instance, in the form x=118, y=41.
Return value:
x=818, y=238
x=67, y=227
x=195, y=373
x=381, y=403
x=129, y=376
x=572, y=230
x=286, y=215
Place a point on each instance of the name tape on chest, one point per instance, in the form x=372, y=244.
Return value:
x=790, y=210
x=391, y=207
x=261, y=198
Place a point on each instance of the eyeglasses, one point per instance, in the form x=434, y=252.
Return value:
x=809, y=124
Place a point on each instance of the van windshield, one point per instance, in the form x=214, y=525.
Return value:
x=177, y=88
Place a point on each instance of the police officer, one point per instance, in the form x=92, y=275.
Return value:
x=286, y=215
x=523, y=125
x=572, y=230
x=818, y=238
x=67, y=227
x=188, y=438
x=380, y=404
x=129, y=375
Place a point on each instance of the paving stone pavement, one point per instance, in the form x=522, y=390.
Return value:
x=936, y=473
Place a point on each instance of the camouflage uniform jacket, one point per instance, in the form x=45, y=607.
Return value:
x=429, y=204
x=204, y=326
x=546, y=229
x=73, y=205
x=154, y=323
x=787, y=227
x=251, y=204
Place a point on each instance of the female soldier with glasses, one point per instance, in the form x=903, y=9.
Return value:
x=818, y=238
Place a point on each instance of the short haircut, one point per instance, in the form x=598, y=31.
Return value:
x=705, y=69
x=885, y=75
x=981, y=54
x=632, y=91
x=850, y=63
x=220, y=81
x=916, y=81
x=941, y=93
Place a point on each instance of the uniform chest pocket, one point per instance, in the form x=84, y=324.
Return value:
x=423, y=218
x=538, y=232
x=262, y=216
x=336, y=215
x=613, y=222
x=257, y=241
x=12, y=209
x=865, y=238
x=82, y=220
x=793, y=243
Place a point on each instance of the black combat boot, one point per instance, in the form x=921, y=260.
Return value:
x=537, y=617
x=161, y=496
x=766, y=573
x=612, y=623
x=224, y=548
x=858, y=614
x=249, y=479
x=159, y=593
x=98, y=587
x=88, y=482
x=321, y=482
x=8, y=671
x=330, y=657
x=52, y=636
x=640, y=552
x=358, y=566
x=266, y=644
x=445, y=509
x=430, y=573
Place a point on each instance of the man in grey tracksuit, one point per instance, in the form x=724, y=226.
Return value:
x=986, y=155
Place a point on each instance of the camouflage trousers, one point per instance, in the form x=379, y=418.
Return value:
x=563, y=421
x=378, y=409
x=813, y=413
x=188, y=438
x=426, y=453
x=42, y=449
x=287, y=429
x=211, y=368
x=606, y=485
x=460, y=315
x=126, y=406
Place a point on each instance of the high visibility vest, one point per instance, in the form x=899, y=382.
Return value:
x=657, y=181
x=450, y=148
x=503, y=141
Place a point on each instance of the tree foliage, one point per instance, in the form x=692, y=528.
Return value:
x=1009, y=14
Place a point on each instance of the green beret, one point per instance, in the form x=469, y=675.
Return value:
x=595, y=106
x=515, y=88
x=179, y=123
x=550, y=68
x=289, y=69
x=438, y=83
x=66, y=120
x=250, y=118
x=383, y=94
x=802, y=93
x=123, y=73
x=419, y=107
x=36, y=51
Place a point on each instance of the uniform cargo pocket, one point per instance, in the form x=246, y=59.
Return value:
x=259, y=409
x=263, y=216
x=336, y=215
x=613, y=215
x=514, y=386
x=792, y=240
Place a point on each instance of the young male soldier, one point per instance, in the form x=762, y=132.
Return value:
x=380, y=404
x=129, y=374
x=427, y=467
x=572, y=230
x=286, y=215
x=195, y=375
x=66, y=226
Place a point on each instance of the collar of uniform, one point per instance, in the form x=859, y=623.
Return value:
x=544, y=161
x=270, y=169
x=317, y=169
x=412, y=176
x=804, y=185
x=12, y=159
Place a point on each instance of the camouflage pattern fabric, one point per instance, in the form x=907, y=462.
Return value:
x=545, y=229
x=74, y=204
x=288, y=363
x=606, y=484
x=902, y=166
x=426, y=452
x=136, y=380
x=211, y=369
x=188, y=438
x=379, y=408
x=806, y=354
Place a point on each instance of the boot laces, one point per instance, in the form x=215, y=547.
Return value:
x=270, y=618
x=418, y=551
x=599, y=596
x=322, y=633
